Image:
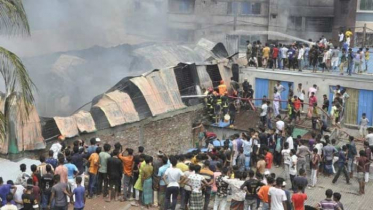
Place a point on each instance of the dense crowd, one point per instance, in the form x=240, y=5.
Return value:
x=321, y=55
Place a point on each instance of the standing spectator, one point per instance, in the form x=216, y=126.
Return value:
x=196, y=181
x=222, y=191
x=22, y=177
x=337, y=198
x=362, y=162
x=46, y=186
x=93, y=169
x=302, y=153
x=9, y=205
x=291, y=57
x=350, y=60
x=314, y=167
x=286, y=159
x=127, y=165
x=312, y=89
x=344, y=62
x=57, y=147
x=114, y=173
x=238, y=195
x=241, y=160
x=247, y=147
x=61, y=170
x=187, y=189
x=173, y=176
x=300, y=180
x=335, y=57
x=328, y=203
x=50, y=160
x=266, y=51
x=275, y=52
x=92, y=148
x=342, y=162
x=79, y=193
x=72, y=171
x=298, y=199
x=348, y=36
x=162, y=184
x=328, y=155
x=341, y=38
x=29, y=200
x=368, y=154
x=351, y=156
x=367, y=57
x=77, y=160
x=249, y=51
x=268, y=158
x=357, y=62
x=300, y=93
x=300, y=57
x=5, y=189
x=102, y=171
x=263, y=193
x=263, y=114
x=306, y=57
x=276, y=196
x=41, y=169
x=251, y=187
x=284, y=56
x=59, y=192
x=364, y=122
x=313, y=56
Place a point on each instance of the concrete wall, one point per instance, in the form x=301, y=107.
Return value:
x=171, y=133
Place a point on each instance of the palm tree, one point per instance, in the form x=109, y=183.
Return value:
x=18, y=96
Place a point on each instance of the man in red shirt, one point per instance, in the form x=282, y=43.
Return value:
x=274, y=56
x=298, y=199
x=268, y=158
x=297, y=104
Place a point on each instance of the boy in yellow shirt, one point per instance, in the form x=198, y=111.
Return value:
x=367, y=57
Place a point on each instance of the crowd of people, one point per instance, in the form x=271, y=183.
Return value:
x=321, y=55
x=242, y=168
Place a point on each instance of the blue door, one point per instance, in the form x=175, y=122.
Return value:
x=285, y=94
x=365, y=105
x=261, y=89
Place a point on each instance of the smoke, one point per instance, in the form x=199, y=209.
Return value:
x=101, y=33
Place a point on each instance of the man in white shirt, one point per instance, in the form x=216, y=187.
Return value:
x=284, y=53
x=172, y=176
x=293, y=166
x=369, y=138
x=263, y=114
x=312, y=89
x=286, y=157
x=280, y=88
x=238, y=195
x=277, y=196
x=290, y=141
x=196, y=181
x=300, y=57
x=341, y=38
x=18, y=195
x=280, y=125
x=300, y=94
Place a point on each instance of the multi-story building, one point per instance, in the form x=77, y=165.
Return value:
x=364, y=17
x=189, y=20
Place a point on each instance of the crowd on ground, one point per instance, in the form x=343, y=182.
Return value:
x=241, y=169
x=320, y=55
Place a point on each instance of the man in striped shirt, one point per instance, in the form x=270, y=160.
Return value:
x=328, y=203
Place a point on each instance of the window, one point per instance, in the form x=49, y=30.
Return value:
x=366, y=4
x=248, y=8
x=319, y=24
x=232, y=8
x=181, y=6
x=295, y=23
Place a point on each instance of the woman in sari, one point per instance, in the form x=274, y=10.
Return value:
x=147, y=182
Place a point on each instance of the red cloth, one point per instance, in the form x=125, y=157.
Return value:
x=269, y=160
x=298, y=200
x=312, y=100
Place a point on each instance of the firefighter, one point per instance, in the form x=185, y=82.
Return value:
x=210, y=103
x=222, y=88
x=217, y=108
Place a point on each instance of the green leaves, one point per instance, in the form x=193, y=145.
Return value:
x=13, y=19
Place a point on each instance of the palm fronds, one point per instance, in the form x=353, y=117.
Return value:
x=13, y=19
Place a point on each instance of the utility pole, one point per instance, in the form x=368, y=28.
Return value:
x=364, y=34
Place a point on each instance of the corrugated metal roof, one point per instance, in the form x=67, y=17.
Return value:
x=118, y=108
x=204, y=77
x=151, y=96
x=169, y=79
x=67, y=126
x=84, y=121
